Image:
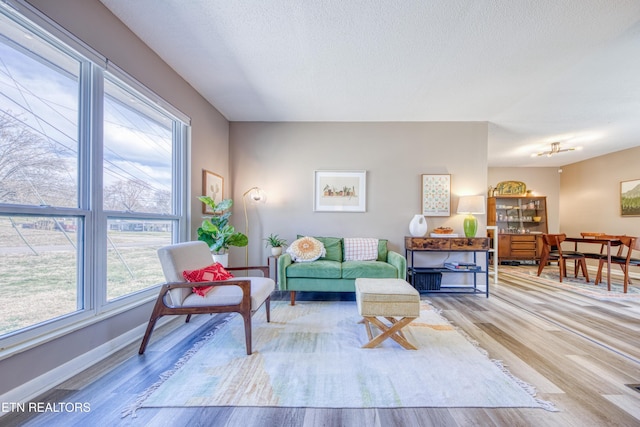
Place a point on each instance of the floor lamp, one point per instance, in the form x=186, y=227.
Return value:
x=256, y=195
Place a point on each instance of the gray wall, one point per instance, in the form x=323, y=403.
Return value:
x=91, y=22
x=281, y=159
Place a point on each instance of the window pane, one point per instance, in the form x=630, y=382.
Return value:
x=132, y=261
x=137, y=154
x=38, y=120
x=39, y=269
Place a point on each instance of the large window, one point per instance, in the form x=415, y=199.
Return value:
x=137, y=178
x=82, y=212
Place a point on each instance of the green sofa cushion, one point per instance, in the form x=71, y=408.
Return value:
x=320, y=285
x=333, y=246
x=322, y=269
x=369, y=269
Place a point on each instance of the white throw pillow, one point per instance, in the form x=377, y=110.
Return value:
x=360, y=249
x=306, y=249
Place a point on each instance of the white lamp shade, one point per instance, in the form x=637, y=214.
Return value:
x=256, y=195
x=471, y=205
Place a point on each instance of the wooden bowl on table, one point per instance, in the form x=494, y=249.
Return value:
x=443, y=230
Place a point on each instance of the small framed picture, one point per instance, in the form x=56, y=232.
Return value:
x=630, y=198
x=212, y=186
x=436, y=195
x=340, y=191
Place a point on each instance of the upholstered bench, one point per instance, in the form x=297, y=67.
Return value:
x=389, y=299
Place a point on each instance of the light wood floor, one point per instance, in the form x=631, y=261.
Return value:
x=579, y=353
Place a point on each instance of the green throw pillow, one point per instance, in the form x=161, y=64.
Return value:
x=333, y=246
x=382, y=250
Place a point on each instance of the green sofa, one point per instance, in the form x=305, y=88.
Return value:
x=332, y=274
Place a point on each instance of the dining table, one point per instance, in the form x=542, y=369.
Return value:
x=607, y=242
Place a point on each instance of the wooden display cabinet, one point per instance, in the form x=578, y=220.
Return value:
x=520, y=222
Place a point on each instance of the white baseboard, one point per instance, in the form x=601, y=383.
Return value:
x=35, y=387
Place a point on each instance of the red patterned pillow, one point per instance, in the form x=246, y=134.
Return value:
x=210, y=273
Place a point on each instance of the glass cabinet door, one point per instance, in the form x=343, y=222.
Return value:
x=518, y=215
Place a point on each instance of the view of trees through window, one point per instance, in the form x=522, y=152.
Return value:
x=137, y=181
x=137, y=154
x=76, y=233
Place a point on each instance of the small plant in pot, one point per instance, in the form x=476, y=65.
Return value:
x=216, y=231
x=276, y=244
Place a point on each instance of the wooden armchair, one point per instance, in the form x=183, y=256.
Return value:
x=629, y=244
x=552, y=251
x=242, y=295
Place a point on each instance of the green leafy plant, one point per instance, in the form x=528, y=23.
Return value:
x=216, y=231
x=275, y=241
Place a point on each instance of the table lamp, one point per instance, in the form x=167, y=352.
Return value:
x=470, y=205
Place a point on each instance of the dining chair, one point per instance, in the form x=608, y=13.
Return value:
x=552, y=251
x=624, y=260
x=593, y=255
x=591, y=234
x=634, y=262
x=243, y=295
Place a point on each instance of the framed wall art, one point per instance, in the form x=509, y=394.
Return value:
x=630, y=198
x=340, y=191
x=436, y=195
x=511, y=188
x=212, y=186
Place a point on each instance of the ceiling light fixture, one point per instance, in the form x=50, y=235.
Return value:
x=555, y=149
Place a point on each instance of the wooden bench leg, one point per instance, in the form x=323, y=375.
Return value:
x=393, y=320
x=394, y=331
x=367, y=326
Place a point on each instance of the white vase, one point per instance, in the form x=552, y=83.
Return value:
x=418, y=226
x=223, y=259
x=276, y=251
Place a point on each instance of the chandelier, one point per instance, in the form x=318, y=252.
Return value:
x=555, y=149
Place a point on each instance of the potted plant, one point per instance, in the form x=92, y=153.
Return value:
x=216, y=231
x=276, y=244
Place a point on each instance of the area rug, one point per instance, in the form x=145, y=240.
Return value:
x=310, y=355
x=550, y=277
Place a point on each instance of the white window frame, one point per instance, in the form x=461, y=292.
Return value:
x=92, y=257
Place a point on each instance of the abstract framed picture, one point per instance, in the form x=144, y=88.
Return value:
x=630, y=198
x=212, y=186
x=436, y=195
x=340, y=191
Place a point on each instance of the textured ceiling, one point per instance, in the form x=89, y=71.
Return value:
x=537, y=71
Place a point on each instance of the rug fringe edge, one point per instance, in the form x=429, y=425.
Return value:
x=544, y=404
x=142, y=397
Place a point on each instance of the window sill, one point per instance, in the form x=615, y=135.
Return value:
x=16, y=344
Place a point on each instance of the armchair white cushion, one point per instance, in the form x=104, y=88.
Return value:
x=261, y=288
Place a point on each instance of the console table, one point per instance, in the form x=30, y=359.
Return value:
x=478, y=246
